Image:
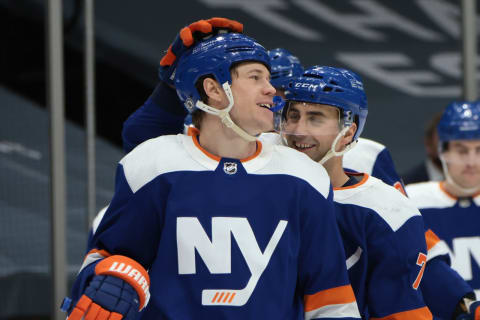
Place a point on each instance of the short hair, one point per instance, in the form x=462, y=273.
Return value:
x=198, y=115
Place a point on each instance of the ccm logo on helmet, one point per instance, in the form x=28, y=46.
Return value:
x=132, y=273
x=307, y=86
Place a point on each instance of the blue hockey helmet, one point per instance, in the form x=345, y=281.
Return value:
x=460, y=121
x=336, y=87
x=214, y=56
x=284, y=66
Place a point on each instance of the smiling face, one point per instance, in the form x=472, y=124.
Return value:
x=311, y=128
x=463, y=162
x=253, y=96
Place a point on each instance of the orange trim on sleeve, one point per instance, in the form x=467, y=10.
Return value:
x=338, y=295
x=431, y=238
x=364, y=179
x=103, y=253
x=418, y=314
x=194, y=133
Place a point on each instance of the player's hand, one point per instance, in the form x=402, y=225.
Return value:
x=187, y=37
x=119, y=290
x=473, y=312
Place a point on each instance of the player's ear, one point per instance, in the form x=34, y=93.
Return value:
x=350, y=134
x=213, y=90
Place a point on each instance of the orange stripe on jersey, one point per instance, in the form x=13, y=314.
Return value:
x=418, y=314
x=208, y=154
x=442, y=187
x=364, y=179
x=194, y=133
x=431, y=238
x=259, y=149
x=338, y=295
x=103, y=253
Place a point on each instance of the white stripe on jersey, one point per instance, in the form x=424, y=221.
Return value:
x=439, y=249
x=386, y=201
x=429, y=195
x=346, y=310
x=166, y=154
x=362, y=158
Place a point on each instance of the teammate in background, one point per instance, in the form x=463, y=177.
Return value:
x=285, y=66
x=381, y=230
x=451, y=207
x=288, y=260
x=431, y=168
x=444, y=290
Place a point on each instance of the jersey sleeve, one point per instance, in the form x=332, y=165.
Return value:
x=384, y=169
x=323, y=275
x=162, y=114
x=130, y=227
x=397, y=259
x=442, y=287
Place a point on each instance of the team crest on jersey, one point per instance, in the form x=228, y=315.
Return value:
x=230, y=167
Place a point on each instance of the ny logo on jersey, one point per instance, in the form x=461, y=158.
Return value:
x=216, y=254
x=464, y=249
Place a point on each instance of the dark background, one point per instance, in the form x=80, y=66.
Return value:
x=131, y=37
x=408, y=53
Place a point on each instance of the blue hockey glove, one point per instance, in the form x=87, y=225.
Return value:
x=119, y=290
x=187, y=37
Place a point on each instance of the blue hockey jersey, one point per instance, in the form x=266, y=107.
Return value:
x=457, y=222
x=373, y=158
x=382, y=234
x=225, y=238
x=442, y=287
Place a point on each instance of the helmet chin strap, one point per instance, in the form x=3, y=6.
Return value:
x=224, y=114
x=332, y=152
x=450, y=180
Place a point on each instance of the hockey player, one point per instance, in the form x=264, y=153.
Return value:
x=163, y=113
x=158, y=117
x=179, y=200
x=284, y=67
x=445, y=292
x=451, y=207
x=381, y=230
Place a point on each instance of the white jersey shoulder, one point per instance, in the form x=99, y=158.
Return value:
x=295, y=163
x=386, y=201
x=288, y=161
x=155, y=157
x=363, y=156
x=429, y=195
x=271, y=138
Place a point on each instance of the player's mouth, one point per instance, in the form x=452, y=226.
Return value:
x=265, y=105
x=303, y=146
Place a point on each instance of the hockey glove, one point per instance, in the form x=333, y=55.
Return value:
x=119, y=290
x=187, y=37
x=471, y=310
